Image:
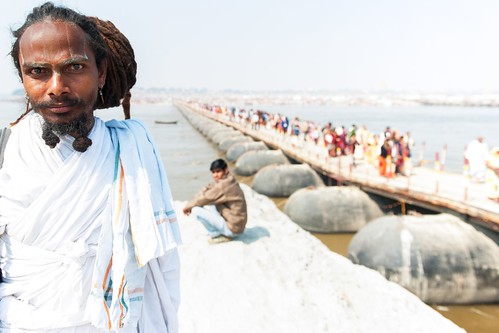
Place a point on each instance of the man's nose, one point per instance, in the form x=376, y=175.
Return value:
x=57, y=85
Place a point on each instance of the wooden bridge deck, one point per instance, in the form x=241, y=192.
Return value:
x=438, y=191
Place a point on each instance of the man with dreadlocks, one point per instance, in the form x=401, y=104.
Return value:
x=88, y=233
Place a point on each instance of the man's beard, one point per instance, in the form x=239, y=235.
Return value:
x=78, y=127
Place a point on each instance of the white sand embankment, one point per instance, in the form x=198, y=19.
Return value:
x=278, y=278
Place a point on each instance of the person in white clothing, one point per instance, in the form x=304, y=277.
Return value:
x=88, y=232
x=477, y=154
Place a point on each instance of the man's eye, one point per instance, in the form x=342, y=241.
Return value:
x=76, y=67
x=37, y=71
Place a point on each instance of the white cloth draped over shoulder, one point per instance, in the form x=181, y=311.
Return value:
x=88, y=240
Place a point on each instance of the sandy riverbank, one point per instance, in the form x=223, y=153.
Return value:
x=279, y=278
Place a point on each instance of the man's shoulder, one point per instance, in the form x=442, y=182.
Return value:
x=229, y=181
x=132, y=124
x=229, y=178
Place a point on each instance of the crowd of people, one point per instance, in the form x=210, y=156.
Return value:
x=389, y=150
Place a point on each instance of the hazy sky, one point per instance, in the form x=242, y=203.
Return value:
x=423, y=45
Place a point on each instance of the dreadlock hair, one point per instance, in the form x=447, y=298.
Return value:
x=107, y=43
x=121, y=67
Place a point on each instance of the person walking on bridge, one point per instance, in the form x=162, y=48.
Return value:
x=477, y=154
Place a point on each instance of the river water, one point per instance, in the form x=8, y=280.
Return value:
x=189, y=155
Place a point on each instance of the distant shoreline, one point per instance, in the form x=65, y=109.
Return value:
x=158, y=96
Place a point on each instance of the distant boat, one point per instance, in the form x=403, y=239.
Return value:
x=168, y=122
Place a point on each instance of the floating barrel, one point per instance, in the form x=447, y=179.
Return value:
x=237, y=149
x=203, y=125
x=283, y=180
x=439, y=258
x=214, y=128
x=252, y=161
x=227, y=143
x=223, y=134
x=331, y=209
x=196, y=123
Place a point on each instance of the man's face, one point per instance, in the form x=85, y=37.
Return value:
x=59, y=72
x=219, y=173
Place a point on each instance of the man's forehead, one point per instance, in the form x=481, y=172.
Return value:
x=49, y=28
x=47, y=38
